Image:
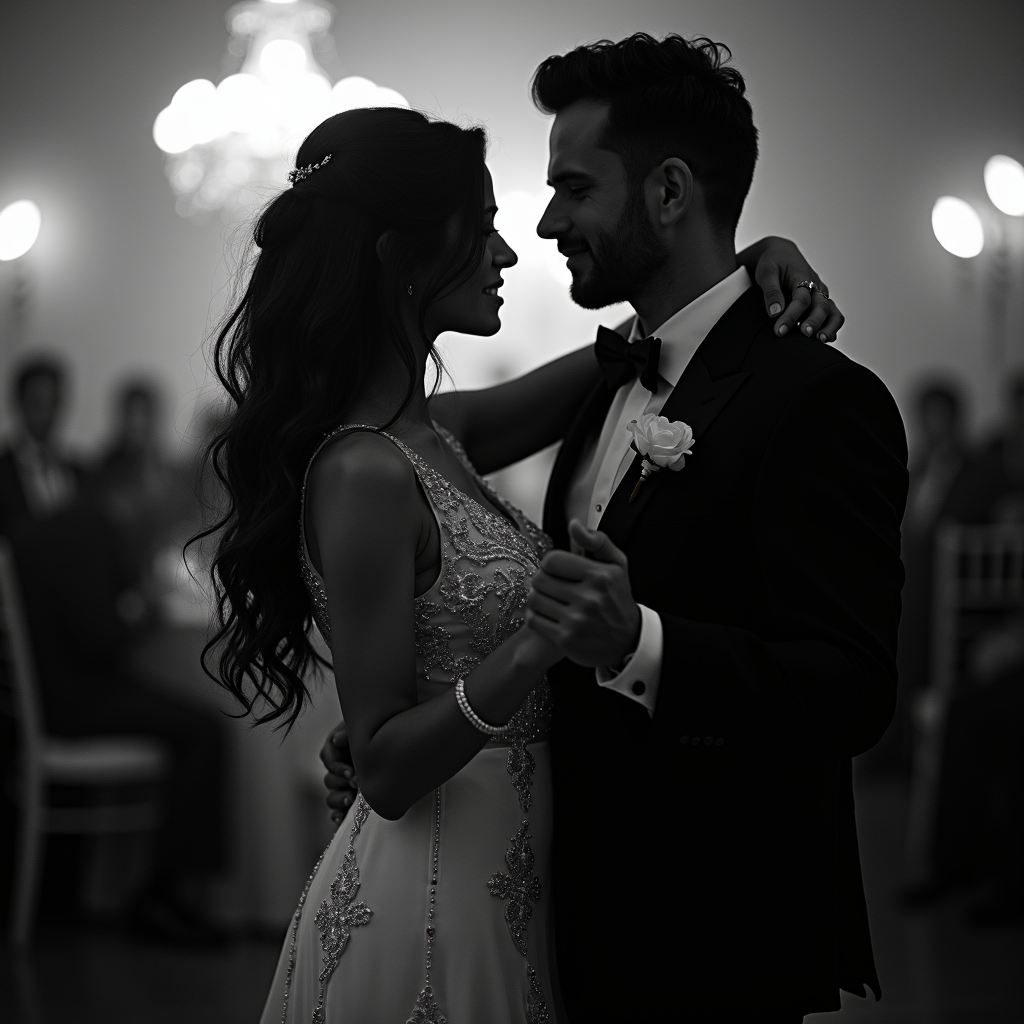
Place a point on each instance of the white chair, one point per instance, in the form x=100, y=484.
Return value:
x=98, y=763
x=979, y=572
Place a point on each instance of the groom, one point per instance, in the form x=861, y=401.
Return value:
x=729, y=622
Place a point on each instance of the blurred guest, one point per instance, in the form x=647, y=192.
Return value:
x=990, y=489
x=142, y=488
x=940, y=453
x=977, y=839
x=36, y=477
x=74, y=578
x=979, y=835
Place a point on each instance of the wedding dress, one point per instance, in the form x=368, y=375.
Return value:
x=442, y=915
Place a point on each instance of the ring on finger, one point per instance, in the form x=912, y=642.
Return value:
x=812, y=286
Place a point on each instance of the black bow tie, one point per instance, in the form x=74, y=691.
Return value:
x=622, y=362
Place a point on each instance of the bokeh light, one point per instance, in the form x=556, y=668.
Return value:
x=957, y=226
x=354, y=92
x=19, y=228
x=1004, y=182
x=226, y=142
x=193, y=117
x=242, y=98
x=282, y=59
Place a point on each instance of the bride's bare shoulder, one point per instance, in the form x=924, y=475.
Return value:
x=361, y=468
x=361, y=503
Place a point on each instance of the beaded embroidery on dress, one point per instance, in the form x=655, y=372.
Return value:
x=484, y=883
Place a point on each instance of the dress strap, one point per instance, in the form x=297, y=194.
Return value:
x=424, y=474
x=335, y=433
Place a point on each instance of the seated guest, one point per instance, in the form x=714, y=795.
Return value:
x=72, y=578
x=36, y=477
x=144, y=491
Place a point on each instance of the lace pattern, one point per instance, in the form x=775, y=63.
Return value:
x=297, y=917
x=487, y=562
x=341, y=913
x=426, y=1010
x=537, y=1011
x=519, y=889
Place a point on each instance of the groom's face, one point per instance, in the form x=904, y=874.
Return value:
x=600, y=223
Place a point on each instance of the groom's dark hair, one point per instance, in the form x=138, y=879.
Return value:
x=667, y=97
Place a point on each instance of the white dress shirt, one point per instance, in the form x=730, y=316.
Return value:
x=606, y=461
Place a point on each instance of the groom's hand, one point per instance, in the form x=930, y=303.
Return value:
x=582, y=602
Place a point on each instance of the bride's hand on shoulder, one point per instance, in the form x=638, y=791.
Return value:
x=780, y=269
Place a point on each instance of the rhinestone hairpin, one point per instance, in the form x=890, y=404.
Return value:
x=301, y=173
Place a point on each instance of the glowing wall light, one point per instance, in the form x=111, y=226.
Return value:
x=957, y=227
x=1004, y=182
x=223, y=141
x=19, y=228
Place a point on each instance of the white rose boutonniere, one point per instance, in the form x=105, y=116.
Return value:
x=659, y=442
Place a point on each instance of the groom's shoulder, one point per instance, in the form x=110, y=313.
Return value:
x=796, y=359
x=749, y=342
x=812, y=379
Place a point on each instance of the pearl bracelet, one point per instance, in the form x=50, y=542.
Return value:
x=474, y=719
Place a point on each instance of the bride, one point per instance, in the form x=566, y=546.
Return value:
x=357, y=505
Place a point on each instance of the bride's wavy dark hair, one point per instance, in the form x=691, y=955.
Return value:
x=318, y=307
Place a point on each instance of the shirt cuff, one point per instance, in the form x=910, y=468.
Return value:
x=641, y=672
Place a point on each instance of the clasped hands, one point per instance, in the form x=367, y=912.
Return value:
x=581, y=602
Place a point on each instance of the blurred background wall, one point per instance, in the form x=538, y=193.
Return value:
x=867, y=113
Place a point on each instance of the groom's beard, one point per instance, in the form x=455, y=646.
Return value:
x=621, y=259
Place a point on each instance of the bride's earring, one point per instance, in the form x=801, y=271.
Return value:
x=409, y=290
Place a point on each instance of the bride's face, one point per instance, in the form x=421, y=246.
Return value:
x=473, y=307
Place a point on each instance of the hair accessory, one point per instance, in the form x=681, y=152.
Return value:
x=301, y=173
x=474, y=719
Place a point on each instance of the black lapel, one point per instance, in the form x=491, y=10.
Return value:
x=708, y=383
x=592, y=413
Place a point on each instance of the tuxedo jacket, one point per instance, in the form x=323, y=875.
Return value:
x=706, y=862
x=13, y=502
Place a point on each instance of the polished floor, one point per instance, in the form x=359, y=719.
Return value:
x=934, y=969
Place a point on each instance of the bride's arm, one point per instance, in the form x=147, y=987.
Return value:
x=501, y=425
x=371, y=522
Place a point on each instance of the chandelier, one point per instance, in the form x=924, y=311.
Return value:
x=228, y=143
